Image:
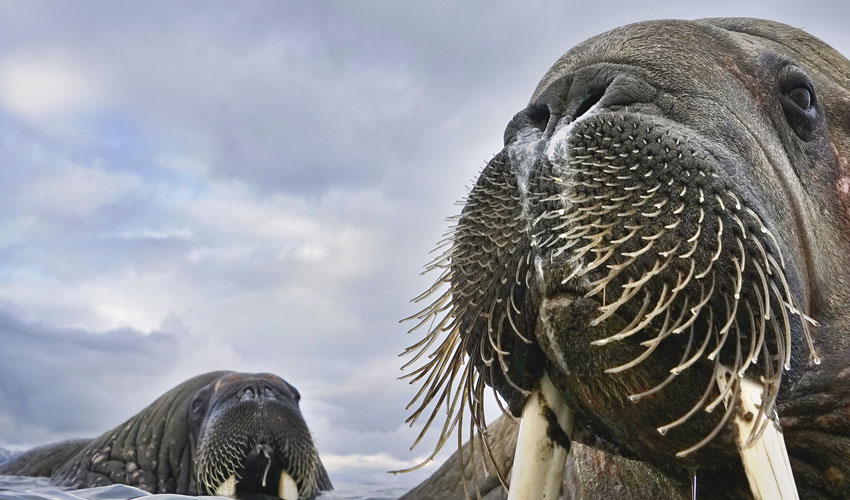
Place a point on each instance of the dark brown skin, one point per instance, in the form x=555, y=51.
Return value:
x=710, y=158
x=166, y=447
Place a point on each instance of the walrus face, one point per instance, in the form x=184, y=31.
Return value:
x=664, y=213
x=249, y=437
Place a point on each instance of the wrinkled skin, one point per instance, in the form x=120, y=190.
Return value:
x=189, y=439
x=676, y=193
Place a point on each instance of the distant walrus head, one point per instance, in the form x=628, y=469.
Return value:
x=673, y=200
x=249, y=437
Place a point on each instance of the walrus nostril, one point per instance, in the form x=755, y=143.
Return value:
x=588, y=101
x=536, y=116
x=247, y=393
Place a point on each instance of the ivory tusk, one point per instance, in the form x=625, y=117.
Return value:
x=287, y=488
x=765, y=461
x=539, y=461
x=227, y=488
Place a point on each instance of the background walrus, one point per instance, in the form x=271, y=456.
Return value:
x=673, y=200
x=224, y=433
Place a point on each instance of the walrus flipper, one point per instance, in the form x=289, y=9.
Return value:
x=44, y=460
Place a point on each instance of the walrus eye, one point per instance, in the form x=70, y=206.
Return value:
x=799, y=102
x=802, y=97
x=197, y=404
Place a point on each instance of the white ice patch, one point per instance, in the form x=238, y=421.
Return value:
x=559, y=144
x=523, y=154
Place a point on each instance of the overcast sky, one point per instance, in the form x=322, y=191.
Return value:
x=192, y=186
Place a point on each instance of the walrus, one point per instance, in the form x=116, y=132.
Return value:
x=668, y=221
x=222, y=433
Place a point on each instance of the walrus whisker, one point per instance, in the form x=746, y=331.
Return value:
x=667, y=329
x=448, y=367
x=762, y=324
x=724, y=391
x=630, y=327
x=652, y=344
x=693, y=359
x=487, y=359
x=448, y=426
x=775, y=242
x=787, y=324
x=498, y=399
x=699, y=404
x=513, y=307
x=461, y=462
x=768, y=382
x=437, y=305
x=695, y=310
x=474, y=398
x=749, y=358
x=765, y=291
x=711, y=435
x=431, y=374
x=610, y=309
x=776, y=375
x=437, y=375
x=485, y=446
x=426, y=341
x=724, y=330
x=634, y=398
x=614, y=271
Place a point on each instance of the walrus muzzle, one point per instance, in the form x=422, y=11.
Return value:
x=252, y=439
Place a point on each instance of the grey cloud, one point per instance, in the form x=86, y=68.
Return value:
x=300, y=98
x=61, y=381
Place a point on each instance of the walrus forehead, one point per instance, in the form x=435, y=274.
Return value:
x=702, y=53
x=658, y=48
x=226, y=384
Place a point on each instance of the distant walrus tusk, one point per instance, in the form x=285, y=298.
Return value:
x=540, y=457
x=287, y=487
x=765, y=460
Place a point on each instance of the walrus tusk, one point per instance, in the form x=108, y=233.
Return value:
x=287, y=489
x=539, y=461
x=227, y=488
x=766, y=460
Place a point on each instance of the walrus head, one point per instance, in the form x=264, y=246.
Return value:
x=249, y=438
x=672, y=205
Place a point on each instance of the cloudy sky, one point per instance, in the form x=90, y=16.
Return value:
x=190, y=186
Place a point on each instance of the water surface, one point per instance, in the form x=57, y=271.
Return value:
x=39, y=488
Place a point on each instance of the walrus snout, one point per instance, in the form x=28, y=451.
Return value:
x=252, y=440
x=601, y=85
x=675, y=273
